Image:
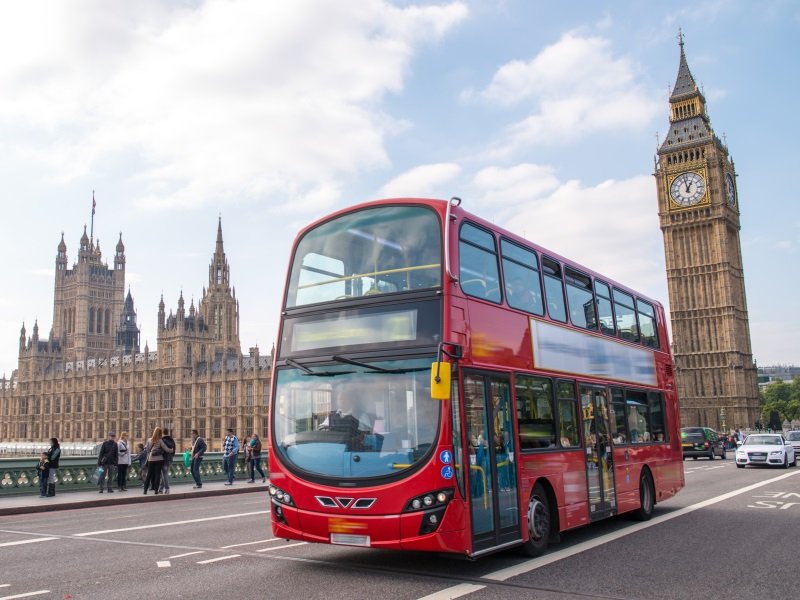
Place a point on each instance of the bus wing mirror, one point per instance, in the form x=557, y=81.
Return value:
x=440, y=381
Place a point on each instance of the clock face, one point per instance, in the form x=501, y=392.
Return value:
x=730, y=191
x=687, y=189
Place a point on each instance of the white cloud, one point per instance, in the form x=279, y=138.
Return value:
x=574, y=87
x=431, y=181
x=222, y=99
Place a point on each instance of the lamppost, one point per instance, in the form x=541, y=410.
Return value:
x=722, y=418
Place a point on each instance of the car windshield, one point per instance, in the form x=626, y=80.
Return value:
x=692, y=434
x=353, y=419
x=372, y=251
x=763, y=440
x=793, y=436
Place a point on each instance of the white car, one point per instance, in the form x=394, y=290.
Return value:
x=793, y=437
x=765, y=449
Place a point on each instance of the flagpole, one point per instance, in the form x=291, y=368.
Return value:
x=91, y=231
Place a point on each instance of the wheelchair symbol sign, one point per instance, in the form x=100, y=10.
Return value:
x=447, y=472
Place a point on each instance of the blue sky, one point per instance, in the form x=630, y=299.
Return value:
x=541, y=116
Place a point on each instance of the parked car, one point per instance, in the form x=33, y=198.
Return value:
x=766, y=449
x=702, y=442
x=793, y=437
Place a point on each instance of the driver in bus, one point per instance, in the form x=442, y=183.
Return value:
x=348, y=418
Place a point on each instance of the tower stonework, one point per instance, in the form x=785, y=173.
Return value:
x=698, y=207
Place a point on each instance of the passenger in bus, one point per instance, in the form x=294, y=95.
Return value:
x=619, y=438
x=520, y=296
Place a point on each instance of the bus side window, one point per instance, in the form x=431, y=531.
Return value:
x=521, y=276
x=605, y=314
x=568, y=415
x=580, y=299
x=554, y=290
x=657, y=424
x=620, y=418
x=647, y=323
x=478, y=271
x=627, y=326
x=537, y=425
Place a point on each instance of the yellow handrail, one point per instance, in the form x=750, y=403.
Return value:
x=485, y=491
x=372, y=274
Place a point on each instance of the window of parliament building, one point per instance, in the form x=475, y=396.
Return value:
x=89, y=376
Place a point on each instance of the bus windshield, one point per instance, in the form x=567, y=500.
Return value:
x=354, y=420
x=372, y=251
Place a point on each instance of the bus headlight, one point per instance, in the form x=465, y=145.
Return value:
x=279, y=496
x=430, y=500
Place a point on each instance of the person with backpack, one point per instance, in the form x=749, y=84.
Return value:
x=255, y=459
x=156, y=448
x=168, y=456
x=53, y=455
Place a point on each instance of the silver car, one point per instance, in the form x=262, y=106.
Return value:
x=793, y=437
x=765, y=449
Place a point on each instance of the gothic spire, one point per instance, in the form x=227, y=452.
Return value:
x=684, y=83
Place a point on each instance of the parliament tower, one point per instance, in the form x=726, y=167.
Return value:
x=698, y=207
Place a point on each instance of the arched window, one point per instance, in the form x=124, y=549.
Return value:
x=108, y=321
x=91, y=320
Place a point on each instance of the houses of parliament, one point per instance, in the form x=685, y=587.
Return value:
x=89, y=376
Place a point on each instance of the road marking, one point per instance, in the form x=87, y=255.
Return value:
x=536, y=563
x=456, y=591
x=250, y=543
x=140, y=527
x=163, y=564
x=33, y=541
x=213, y=560
x=284, y=546
x=185, y=554
x=26, y=595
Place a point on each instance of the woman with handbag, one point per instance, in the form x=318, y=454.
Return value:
x=156, y=449
x=123, y=462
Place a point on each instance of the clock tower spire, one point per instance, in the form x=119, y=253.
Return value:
x=699, y=216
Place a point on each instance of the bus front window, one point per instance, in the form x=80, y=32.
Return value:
x=372, y=251
x=352, y=422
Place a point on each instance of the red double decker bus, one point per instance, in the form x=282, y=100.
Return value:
x=442, y=384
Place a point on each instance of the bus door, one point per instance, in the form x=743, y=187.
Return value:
x=494, y=503
x=599, y=455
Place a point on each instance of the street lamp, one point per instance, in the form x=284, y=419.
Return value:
x=722, y=418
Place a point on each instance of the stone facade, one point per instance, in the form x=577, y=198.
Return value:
x=90, y=376
x=698, y=206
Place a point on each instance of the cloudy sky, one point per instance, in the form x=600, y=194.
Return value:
x=271, y=114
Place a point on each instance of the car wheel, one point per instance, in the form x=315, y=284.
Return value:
x=785, y=461
x=711, y=454
x=539, y=522
x=694, y=458
x=647, y=497
x=723, y=456
x=794, y=460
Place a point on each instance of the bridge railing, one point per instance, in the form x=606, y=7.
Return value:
x=19, y=475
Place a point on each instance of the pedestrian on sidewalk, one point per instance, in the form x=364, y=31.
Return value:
x=43, y=470
x=198, y=450
x=155, y=460
x=247, y=456
x=168, y=456
x=255, y=459
x=108, y=458
x=230, y=451
x=123, y=462
x=53, y=456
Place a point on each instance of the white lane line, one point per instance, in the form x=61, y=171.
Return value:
x=537, y=563
x=185, y=554
x=33, y=541
x=26, y=595
x=213, y=560
x=140, y=527
x=5, y=585
x=163, y=564
x=456, y=591
x=284, y=546
x=250, y=543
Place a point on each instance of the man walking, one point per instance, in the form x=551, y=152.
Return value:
x=107, y=459
x=168, y=456
x=198, y=450
x=230, y=450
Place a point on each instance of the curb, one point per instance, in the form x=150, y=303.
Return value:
x=134, y=499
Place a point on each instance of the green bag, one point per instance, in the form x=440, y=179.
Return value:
x=187, y=458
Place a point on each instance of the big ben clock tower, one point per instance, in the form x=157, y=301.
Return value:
x=698, y=207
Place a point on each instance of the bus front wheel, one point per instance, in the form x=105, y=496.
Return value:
x=539, y=522
x=647, y=497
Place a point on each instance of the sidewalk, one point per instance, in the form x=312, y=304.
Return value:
x=31, y=503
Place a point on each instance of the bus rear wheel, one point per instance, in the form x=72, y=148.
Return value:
x=540, y=522
x=647, y=497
